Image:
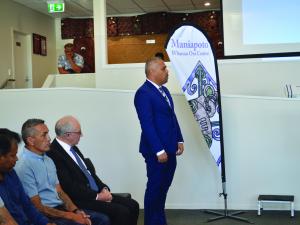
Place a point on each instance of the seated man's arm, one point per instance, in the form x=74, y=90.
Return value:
x=62, y=71
x=60, y=65
x=70, y=213
x=69, y=205
x=48, y=211
x=74, y=66
x=55, y=213
x=76, y=62
x=29, y=209
x=6, y=218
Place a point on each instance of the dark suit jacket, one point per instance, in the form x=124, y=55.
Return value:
x=71, y=178
x=160, y=129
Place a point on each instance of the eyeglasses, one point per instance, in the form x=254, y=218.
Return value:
x=75, y=132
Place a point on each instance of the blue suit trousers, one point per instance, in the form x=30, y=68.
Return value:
x=160, y=176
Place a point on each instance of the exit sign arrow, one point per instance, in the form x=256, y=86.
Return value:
x=56, y=7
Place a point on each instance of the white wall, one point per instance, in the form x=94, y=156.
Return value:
x=259, y=77
x=260, y=136
x=19, y=18
x=86, y=80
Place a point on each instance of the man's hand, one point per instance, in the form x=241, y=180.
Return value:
x=180, y=149
x=81, y=218
x=69, y=56
x=162, y=158
x=8, y=223
x=104, y=195
x=6, y=218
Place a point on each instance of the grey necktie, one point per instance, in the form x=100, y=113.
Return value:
x=164, y=95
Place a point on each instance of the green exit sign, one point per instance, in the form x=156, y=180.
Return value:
x=56, y=7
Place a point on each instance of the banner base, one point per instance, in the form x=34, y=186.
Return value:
x=226, y=214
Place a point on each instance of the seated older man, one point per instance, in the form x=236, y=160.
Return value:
x=75, y=171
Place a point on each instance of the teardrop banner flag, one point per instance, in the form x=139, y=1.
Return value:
x=193, y=60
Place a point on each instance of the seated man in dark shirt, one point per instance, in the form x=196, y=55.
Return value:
x=15, y=205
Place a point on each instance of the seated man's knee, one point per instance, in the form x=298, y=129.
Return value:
x=105, y=220
x=123, y=213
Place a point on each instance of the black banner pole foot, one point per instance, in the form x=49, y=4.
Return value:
x=225, y=214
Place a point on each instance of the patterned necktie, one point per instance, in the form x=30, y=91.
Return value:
x=91, y=180
x=164, y=95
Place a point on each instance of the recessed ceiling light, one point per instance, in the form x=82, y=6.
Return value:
x=207, y=4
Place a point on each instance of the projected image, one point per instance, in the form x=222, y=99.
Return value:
x=267, y=27
x=271, y=21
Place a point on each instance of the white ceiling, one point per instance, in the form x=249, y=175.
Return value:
x=84, y=8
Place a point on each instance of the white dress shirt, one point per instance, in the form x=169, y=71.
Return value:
x=67, y=148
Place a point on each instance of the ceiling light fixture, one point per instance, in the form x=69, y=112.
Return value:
x=207, y=4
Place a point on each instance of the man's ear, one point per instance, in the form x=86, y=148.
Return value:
x=30, y=141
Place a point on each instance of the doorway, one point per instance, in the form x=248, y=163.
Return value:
x=22, y=62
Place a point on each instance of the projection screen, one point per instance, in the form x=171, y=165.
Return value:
x=261, y=26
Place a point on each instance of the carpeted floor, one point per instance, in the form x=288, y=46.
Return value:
x=199, y=217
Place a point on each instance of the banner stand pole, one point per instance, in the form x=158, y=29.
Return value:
x=226, y=214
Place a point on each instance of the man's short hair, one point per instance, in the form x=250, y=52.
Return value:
x=149, y=63
x=28, y=129
x=7, y=137
x=63, y=126
x=69, y=45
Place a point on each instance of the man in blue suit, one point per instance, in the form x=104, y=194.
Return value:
x=161, y=139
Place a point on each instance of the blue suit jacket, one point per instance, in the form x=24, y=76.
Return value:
x=160, y=129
